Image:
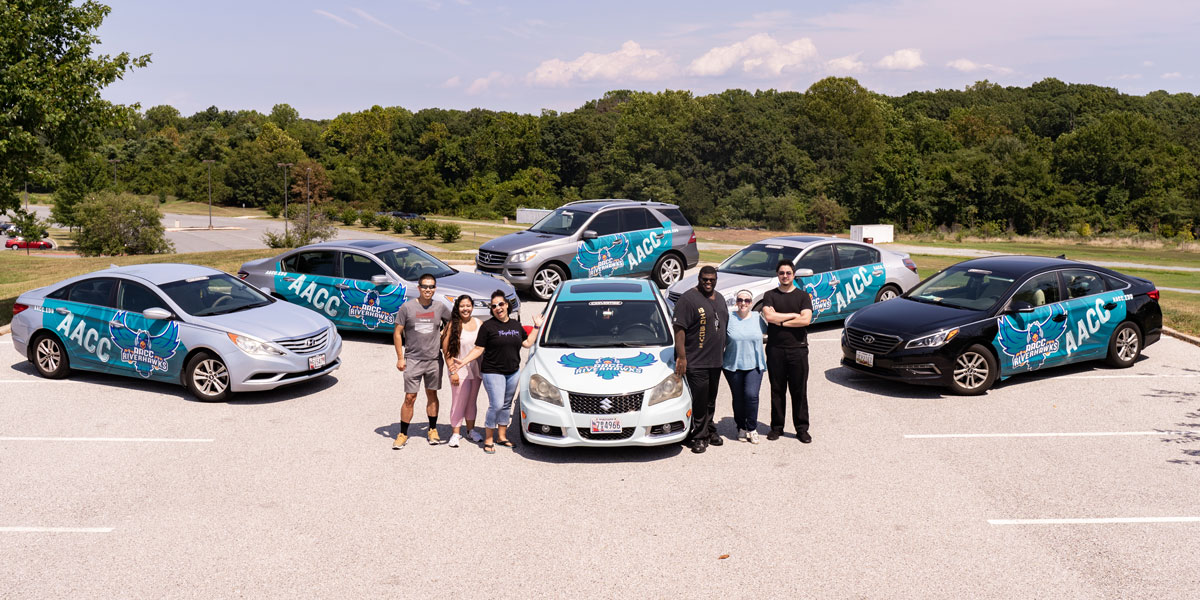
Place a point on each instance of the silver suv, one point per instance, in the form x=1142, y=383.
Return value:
x=594, y=238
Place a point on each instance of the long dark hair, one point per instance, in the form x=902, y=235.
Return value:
x=455, y=328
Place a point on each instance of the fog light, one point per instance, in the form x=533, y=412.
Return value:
x=545, y=429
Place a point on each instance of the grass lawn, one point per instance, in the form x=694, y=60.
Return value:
x=201, y=208
x=1181, y=312
x=1083, y=252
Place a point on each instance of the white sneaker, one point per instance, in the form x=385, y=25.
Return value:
x=752, y=437
x=474, y=436
x=743, y=435
x=453, y=443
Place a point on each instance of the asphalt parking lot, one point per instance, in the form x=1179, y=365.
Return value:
x=1076, y=483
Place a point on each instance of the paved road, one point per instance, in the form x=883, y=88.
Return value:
x=297, y=493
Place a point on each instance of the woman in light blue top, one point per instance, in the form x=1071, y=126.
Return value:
x=745, y=362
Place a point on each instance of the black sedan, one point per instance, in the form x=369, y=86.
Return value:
x=991, y=318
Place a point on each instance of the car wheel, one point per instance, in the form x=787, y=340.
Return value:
x=207, y=377
x=975, y=371
x=49, y=357
x=887, y=292
x=667, y=270
x=546, y=280
x=1124, y=346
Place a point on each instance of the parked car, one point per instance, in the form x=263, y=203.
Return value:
x=987, y=319
x=396, y=214
x=601, y=372
x=594, y=238
x=360, y=284
x=846, y=275
x=185, y=324
x=18, y=243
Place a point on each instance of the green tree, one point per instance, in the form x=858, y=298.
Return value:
x=31, y=227
x=114, y=224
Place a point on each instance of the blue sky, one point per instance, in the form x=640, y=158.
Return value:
x=327, y=57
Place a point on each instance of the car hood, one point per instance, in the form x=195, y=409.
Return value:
x=908, y=318
x=479, y=287
x=521, y=241
x=604, y=370
x=275, y=321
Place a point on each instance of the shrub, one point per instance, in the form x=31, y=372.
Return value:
x=415, y=226
x=31, y=227
x=274, y=209
x=121, y=224
x=1083, y=230
x=330, y=213
x=383, y=222
x=349, y=217
x=301, y=233
x=399, y=225
x=450, y=232
x=430, y=230
x=367, y=218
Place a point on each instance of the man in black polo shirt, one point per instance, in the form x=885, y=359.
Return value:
x=701, y=317
x=788, y=311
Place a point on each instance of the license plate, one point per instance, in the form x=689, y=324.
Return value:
x=864, y=358
x=606, y=425
x=316, y=362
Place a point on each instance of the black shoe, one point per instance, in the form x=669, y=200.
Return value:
x=804, y=437
x=715, y=440
x=774, y=434
x=699, y=446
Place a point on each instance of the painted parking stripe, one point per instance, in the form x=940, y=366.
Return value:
x=56, y=529
x=926, y=436
x=1103, y=521
x=1183, y=376
x=103, y=439
x=33, y=381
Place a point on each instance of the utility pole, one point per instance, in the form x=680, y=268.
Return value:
x=308, y=201
x=209, y=162
x=285, y=167
x=26, y=190
x=114, y=162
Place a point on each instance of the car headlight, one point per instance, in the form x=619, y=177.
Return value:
x=521, y=257
x=251, y=345
x=541, y=389
x=671, y=387
x=933, y=340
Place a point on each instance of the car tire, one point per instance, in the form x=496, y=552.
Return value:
x=1125, y=346
x=667, y=271
x=887, y=292
x=974, y=371
x=207, y=377
x=520, y=424
x=49, y=357
x=546, y=280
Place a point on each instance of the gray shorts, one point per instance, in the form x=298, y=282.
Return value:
x=417, y=370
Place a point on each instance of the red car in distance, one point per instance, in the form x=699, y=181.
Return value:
x=16, y=243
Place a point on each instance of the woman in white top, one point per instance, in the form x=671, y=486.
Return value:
x=458, y=339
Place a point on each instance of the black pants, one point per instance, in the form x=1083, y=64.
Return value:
x=787, y=369
x=703, y=384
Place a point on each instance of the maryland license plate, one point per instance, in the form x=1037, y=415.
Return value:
x=316, y=362
x=606, y=425
x=864, y=358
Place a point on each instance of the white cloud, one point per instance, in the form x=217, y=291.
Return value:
x=453, y=82
x=906, y=59
x=1147, y=63
x=1125, y=76
x=967, y=66
x=371, y=19
x=1172, y=75
x=335, y=19
x=759, y=54
x=482, y=84
x=630, y=62
x=846, y=64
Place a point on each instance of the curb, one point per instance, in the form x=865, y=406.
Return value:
x=1191, y=339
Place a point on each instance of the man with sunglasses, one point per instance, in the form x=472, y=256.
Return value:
x=788, y=311
x=701, y=318
x=418, y=343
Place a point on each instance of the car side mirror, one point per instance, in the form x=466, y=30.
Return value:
x=157, y=314
x=266, y=290
x=804, y=273
x=589, y=234
x=381, y=280
x=1018, y=306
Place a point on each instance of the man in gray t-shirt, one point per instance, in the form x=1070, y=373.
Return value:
x=418, y=343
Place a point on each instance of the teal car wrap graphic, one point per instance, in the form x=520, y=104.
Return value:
x=371, y=307
x=836, y=294
x=607, y=368
x=119, y=342
x=349, y=303
x=1064, y=332
x=621, y=254
x=315, y=292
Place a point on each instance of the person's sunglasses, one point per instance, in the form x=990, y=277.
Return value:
x=788, y=273
x=499, y=304
x=427, y=287
x=708, y=279
x=746, y=300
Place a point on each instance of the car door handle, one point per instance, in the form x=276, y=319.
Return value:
x=658, y=236
x=1110, y=306
x=62, y=311
x=342, y=286
x=1059, y=318
x=115, y=325
x=289, y=278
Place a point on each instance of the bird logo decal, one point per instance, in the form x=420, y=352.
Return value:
x=607, y=368
x=821, y=289
x=371, y=307
x=147, y=353
x=604, y=260
x=1030, y=346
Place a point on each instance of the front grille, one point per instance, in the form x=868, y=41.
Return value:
x=488, y=258
x=307, y=344
x=880, y=344
x=587, y=404
x=674, y=296
x=585, y=433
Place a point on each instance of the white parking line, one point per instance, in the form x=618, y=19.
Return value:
x=1188, y=376
x=1104, y=521
x=56, y=529
x=1048, y=434
x=33, y=381
x=100, y=439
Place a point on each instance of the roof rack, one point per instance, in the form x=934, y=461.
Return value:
x=599, y=200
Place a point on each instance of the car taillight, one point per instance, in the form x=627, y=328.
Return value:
x=17, y=308
x=692, y=240
x=1153, y=294
x=912, y=266
x=243, y=274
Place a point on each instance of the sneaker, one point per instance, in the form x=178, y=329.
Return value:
x=752, y=436
x=454, y=437
x=434, y=438
x=474, y=436
x=401, y=440
x=743, y=435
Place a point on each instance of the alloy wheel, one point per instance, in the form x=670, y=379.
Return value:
x=48, y=355
x=971, y=370
x=1127, y=344
x=210, y=377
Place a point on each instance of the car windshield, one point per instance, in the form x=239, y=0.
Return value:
x=758, y=260
x=563, y=221
x=411, y=263
x=607, y=323
x=962, y=287
x=209, y=295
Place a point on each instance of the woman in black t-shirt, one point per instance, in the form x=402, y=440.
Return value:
x=499, y=342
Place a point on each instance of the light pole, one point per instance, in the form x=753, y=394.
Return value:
x=26, y=191
x=209, y=162
x=308, y=202
x=285, y=166
x=114, y=162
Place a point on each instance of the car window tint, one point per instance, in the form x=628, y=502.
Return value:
x=313, y=262
x=674, y=215
x=93, y=291
x=135, y=297
x=357, y=266
x=606, y=223
x=60, y=293
x=1082, y=283
x=1039, y=291
x=637, y=219
x=819, y=259
x=850, y=255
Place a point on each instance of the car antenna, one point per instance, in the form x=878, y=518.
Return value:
x=1063, y=256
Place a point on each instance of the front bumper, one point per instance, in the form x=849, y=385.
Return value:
x=249, y=373
x=912, y=366
x=570, y=424
x=520, y=275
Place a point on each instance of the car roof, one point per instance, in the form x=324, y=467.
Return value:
x=1018, y=265
x=595, y=205
x=798, y=241
x=364, y=245
x=605, y=288
x=160, y=273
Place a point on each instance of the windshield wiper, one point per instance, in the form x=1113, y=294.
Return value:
x=240, y=308
x=928, y=300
